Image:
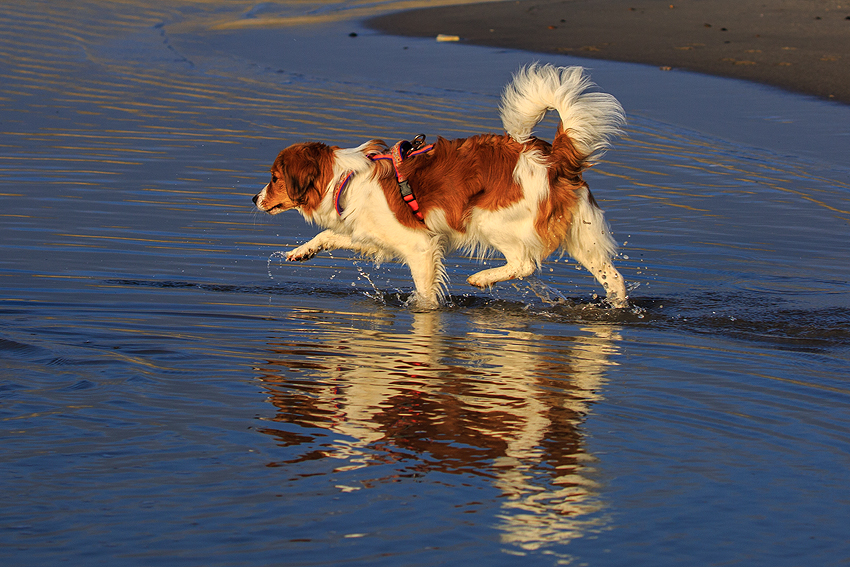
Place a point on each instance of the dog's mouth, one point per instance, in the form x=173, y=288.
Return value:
x=277, y=209
x=261, y=202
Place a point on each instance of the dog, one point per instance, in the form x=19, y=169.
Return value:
x=512, y=193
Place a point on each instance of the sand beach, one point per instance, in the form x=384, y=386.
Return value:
x=799, y=45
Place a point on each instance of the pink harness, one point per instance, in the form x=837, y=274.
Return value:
x=397, y=154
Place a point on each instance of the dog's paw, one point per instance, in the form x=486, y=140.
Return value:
x=476, y=280
x=617, y=301
x=301, y=254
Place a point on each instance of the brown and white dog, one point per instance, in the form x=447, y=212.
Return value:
x=513, y=193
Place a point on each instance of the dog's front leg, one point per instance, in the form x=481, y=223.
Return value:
x=327, y=240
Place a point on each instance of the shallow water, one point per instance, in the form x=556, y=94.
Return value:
x=170, y=390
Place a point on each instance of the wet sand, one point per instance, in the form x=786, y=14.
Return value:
x=799, y=45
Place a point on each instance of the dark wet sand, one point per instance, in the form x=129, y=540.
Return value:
x=799, y=45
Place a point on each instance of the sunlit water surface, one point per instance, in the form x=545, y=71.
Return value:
x=172, y=391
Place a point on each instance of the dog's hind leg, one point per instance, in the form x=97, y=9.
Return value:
x=520, y=262
x=517, y=242
x=610, y=279
x=510, y=271
x=591, y=244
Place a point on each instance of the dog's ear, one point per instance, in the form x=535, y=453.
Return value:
x=307, y=168
x=302, y=172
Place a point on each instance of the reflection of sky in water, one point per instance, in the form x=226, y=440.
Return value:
x=142, y=333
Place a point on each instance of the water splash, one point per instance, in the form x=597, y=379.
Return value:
x=279, y=254
x=376, y=293
x=533, y=286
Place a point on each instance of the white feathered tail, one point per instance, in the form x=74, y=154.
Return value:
x=590, y=118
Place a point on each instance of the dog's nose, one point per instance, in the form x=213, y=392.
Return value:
x=257, y=196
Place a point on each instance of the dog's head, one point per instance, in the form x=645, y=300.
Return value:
x=300, y=178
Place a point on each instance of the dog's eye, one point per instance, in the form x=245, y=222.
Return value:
x=274, y=178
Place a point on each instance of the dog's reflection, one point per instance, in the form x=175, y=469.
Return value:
x=494, y=399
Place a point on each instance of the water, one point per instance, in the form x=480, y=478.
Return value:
x=172, y=391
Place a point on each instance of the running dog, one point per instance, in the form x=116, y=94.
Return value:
x=512, y=193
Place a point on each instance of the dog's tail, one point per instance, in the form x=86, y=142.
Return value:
x=590, y=119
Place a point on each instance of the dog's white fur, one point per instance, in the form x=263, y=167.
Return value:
x=370, y=226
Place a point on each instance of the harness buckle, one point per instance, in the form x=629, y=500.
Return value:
x=408, y=197
x=405, y=190
x=417, y=142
